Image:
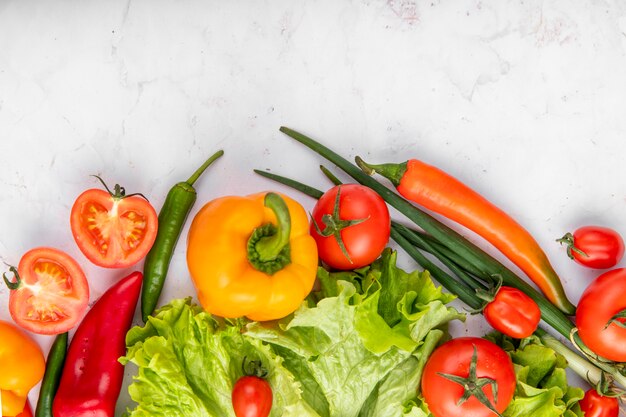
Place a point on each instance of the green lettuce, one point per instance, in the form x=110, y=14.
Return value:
x=356, y=347
x=542, y=389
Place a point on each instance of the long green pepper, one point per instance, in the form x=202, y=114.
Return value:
x=52, y=376
x=178, y=203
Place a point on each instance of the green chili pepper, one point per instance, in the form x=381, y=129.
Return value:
x=50, y=383
x=172, y=218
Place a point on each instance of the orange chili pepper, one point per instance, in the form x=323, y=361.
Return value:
x=438, y=191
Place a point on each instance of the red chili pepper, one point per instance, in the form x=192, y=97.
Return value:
x=438, y=191
x=92, y=376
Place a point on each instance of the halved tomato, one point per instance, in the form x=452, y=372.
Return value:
x=49, y=293
x=111, y=229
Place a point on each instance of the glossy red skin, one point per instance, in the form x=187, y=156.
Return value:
x=596, y=405
x=116, y=209
x=364, y=241
x=513, y=313
x=252, y=397
x=602, y=299
x=92, y=376
x=454, y=357
x=604, y=247
x=73, y=304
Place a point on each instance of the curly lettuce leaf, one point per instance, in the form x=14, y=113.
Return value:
x=187, y=366
x=352, y=348
x=542, y=389
x=355, y=348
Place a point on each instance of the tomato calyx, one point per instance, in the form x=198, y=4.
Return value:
x=488, y=295
x=473, y=385
x=619, y=319
x=334, y=224
x=568, y=239
x=253, y=368
x=17, y=283
x=118, y=192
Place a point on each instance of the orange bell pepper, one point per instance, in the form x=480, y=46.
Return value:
x=22, y=366
x=252, y=256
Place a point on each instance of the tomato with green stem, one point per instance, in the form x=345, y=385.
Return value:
x=252, y=394
x=510, y=311
x=595, y=404
x=112, y=229
x=594, y=246
x=49, y=291
x=350, y=224
x=468, y=377
x=601, y=315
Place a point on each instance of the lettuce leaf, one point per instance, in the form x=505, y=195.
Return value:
x=542, y=388
x=365, y=338
x=356, y=347
x=188, y=366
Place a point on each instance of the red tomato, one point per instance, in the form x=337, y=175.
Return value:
x=601, y=301
x=355, y=216
x=596, y=405
x=594, y=246
x=252, y=397
x=454, y=358
x=513, y=313
x=113, y=230
x=50, y=292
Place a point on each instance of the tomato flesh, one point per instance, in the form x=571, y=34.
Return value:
x=113, y=232
x=53, y=294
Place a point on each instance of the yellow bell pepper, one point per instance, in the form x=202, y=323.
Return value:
x=252, y=256
x=22, y=366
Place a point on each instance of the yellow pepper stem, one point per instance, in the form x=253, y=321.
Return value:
x=268, y=246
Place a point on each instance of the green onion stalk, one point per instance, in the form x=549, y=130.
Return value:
x=471, y=267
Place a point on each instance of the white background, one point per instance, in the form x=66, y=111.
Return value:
x=522, y=100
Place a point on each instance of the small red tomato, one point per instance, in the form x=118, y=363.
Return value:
x=513, y=313
x=468, y=364
x=594, y=246
x=595, y=405
x=113, y=230
x=49, y=294
x=351, y=225
x=252, y=397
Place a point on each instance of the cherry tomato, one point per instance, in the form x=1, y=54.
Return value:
x=598, y=326
x=594, y=246
x=252, y=397
x=351, y=225
x=453, y=360
x=111, y=229
x=595, y=405
x=49, y=293
x=513, y=313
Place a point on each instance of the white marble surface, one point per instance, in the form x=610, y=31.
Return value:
x=523, y=100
